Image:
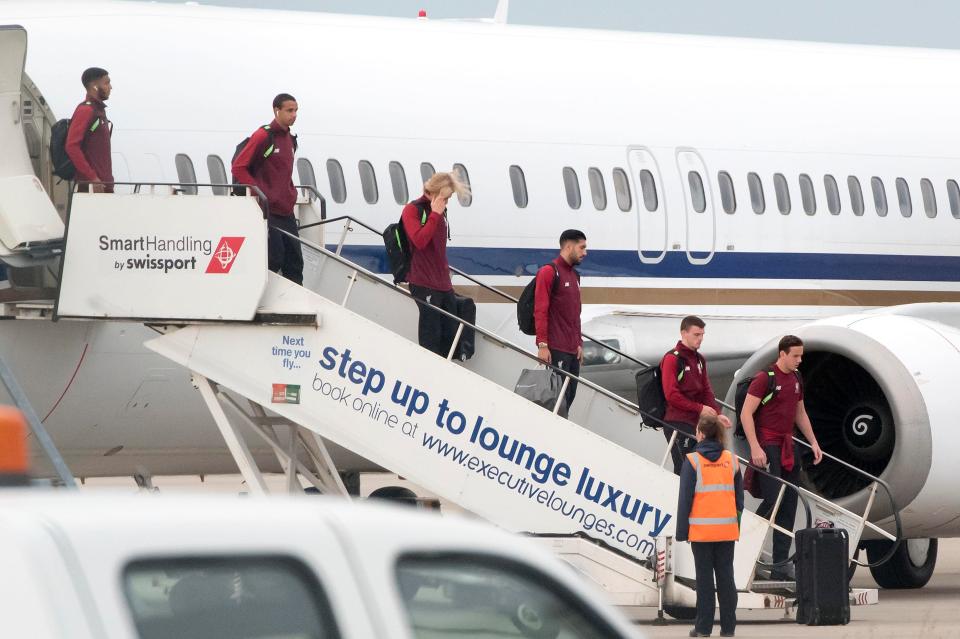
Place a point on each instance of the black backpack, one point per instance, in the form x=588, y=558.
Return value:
x=63, y=166
x=268, y=150
x=398, y=246
x=650, y=397
x=527, y=302
x=741, y=396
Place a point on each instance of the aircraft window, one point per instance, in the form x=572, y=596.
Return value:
x=186, y=175
x=648, y=187
x=426, y=171
x=467, y=198
x=807, y=196
x=218, y=175
x=929, y=198
x=621, y=186
x=223, y=596
x=833, y=194
x=338, y=188
x=856, y=195
x=368, y=182
x=466, y=593
x=598, y=190
x=757, y=201
x=697, y=197
x=519, y=185
x=728, y=198
x=903, y=197
x=879, y=196
x=953, y=194
x=572, y=186
x=782, y=190
x=306, y=173
x=398, y=180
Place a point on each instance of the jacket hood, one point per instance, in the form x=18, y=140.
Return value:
x=710, y=449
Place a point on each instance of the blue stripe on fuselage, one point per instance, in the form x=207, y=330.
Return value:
x=614, y=263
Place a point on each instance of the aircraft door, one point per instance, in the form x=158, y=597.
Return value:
x=650, y=206
x=698, y=202
x=15, y=159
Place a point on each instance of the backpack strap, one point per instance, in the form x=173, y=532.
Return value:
x=423, y=211
x=681, y=365
x=771, y=387
x=271, y=146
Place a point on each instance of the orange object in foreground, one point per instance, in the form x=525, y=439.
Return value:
x=14, y=456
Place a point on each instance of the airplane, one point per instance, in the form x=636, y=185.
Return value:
x=764, y=185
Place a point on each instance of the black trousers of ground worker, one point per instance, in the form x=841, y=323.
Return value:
x=682, y=445
x=715, y=558
x=770, y=488
x=569, y=363
x=283, y=252
x=436, y=331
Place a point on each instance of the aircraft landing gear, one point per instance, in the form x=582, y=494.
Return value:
x=910, y=567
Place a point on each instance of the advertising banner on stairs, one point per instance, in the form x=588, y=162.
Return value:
x=163, y=257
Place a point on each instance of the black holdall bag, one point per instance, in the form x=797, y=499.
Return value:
x=823, y=560
x=650, y=397
x=467, y=311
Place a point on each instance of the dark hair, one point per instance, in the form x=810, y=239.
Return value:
x=787, y=342
x=709, y=425
x=691, y=320
x=91, y=74
x=280, y=99
x=571, y=235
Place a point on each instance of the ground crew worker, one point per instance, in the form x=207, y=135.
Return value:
x=88, y=138
x=708, y=515
x=687, y=389
x=768, y=425
x=556, y=309
x=425, y=223
x=267, y=163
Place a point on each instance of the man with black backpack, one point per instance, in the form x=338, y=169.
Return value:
x=687, y=390
x=768, y=418
x=265, y=160
x=425, y=232
x=557, y=306
x=88, y=137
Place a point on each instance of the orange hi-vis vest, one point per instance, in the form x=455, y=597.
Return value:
x=713, y=516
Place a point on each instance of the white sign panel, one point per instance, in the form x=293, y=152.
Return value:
x=163, y=257
x=438, y=424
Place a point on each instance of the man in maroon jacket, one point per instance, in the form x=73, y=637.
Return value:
x=425, y=223
x=88, y=138
x=267, y=162
x=556, y=309
x=768, y=420
x=687, y=389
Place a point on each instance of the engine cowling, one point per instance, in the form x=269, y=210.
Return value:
x=878, y=387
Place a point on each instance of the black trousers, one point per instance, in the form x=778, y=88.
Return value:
x=283, y=252
x=715, y=558
x=436, y=331
x=569, y=363
x=770, y=488
x=682, y=445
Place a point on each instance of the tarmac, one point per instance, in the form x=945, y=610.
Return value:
x=929, y=612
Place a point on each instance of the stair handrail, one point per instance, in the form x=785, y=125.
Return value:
x=377, y=280
x=506, y=296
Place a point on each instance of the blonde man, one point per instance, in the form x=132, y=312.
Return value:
x=425, y=223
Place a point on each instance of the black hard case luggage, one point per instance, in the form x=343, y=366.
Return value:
x=823, y=559
x=467, y=311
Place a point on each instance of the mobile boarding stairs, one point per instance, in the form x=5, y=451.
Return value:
x=336, y=360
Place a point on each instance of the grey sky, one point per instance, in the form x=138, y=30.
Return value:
x=922, y=23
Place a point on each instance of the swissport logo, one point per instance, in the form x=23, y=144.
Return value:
x=226, y=253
